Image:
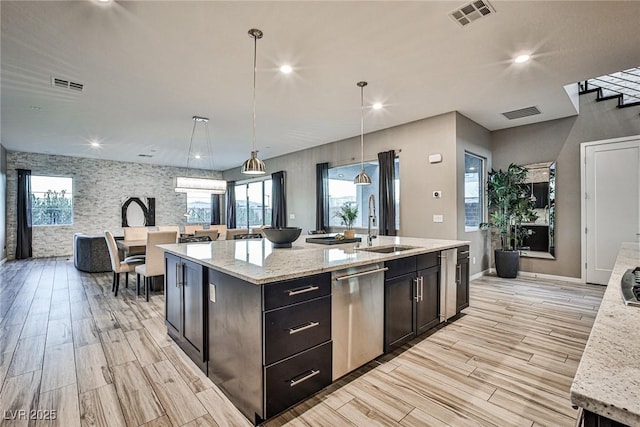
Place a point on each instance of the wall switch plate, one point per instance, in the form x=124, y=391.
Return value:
x=435, y=158
x=292, y=216
x=473, y=260
x=438, y=218
x=437, y=194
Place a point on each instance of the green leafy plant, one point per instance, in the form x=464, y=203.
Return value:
x=347, y=215
x=509, y=205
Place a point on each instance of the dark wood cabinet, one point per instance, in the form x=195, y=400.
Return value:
x=590, y=419
x=269, y=346
x=412, y=298
x=185, y=306
x=462, y=279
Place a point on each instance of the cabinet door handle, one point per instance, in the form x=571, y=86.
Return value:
x=421, y=288
x=303, y=328
x=177, y=278
x=464, y=252
x=299, y=291
x=458, y=274
x=295, y=381
x=417, y=297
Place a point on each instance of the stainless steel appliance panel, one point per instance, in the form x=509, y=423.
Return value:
x=357, y=317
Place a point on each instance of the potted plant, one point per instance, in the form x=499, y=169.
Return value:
x=348, y=215
x=509, y=206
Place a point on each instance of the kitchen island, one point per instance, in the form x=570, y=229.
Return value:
x=607, y=382
x=271, y=327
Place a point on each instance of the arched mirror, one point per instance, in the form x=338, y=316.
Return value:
x=539, y=241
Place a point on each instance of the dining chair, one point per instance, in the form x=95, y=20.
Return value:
x=213, y=234
x=154, y=264
x=232, y=232
x=190, y=229
x=222, y=230
x=175, y=228
x=135, y=233
x=126, y=266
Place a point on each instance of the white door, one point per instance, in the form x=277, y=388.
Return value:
x=612, y=187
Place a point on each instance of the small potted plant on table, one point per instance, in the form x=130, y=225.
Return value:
x=348, y=215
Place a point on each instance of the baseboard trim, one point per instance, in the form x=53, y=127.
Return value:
x=532, y=275
x=479, y=275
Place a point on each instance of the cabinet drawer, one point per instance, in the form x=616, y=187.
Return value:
x=297, y=378
x=295, y=328
x=295, y=291
x=429, y=260
x=400, y=266
x=463, y=252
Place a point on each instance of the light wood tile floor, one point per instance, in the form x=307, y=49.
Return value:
x=66, y=344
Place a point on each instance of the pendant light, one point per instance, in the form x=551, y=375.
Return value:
x=254, y=166
x=200, y=185
x=362, y=178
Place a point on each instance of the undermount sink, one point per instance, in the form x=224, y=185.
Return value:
x=387, y=249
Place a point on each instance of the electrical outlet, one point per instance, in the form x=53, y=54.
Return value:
x=438, y=218
x=292, y=216
x=437, y=194
x=473, y=260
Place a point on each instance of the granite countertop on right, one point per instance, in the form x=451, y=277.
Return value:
x=607, y=381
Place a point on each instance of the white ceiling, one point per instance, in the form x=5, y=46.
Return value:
x=148, y=67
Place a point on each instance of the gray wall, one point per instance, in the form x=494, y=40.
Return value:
x=475, y=139
x=560, y=140
x=418, y=178
x=3, y=203
x=99, y=187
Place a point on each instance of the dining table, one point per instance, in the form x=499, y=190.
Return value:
x=132, y=247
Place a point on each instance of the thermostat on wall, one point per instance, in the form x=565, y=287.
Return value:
x=435, y=158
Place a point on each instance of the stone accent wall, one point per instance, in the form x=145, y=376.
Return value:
x=99, y=188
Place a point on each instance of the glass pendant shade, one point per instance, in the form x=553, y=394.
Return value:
x=362, y=178
x=253, y=166
x=187, y=184
x=200, y=185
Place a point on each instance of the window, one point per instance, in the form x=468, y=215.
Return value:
x=51, y=200
x=342, y=190
x=253, y=204
x=473, y=191
x=198, y=208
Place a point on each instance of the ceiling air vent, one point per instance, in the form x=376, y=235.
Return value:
x=471, y=12
x=523, y=112
x=67, y=84
x=145, y=155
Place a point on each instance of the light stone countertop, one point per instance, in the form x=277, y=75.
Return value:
x=608, y=378
x=255, y=260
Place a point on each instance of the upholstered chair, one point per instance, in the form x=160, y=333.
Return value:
x=154, y=264
x=222, y=230
x=135, y=233
x=175, y=228
x=125, y=266
x=213, y=234
x=232, y=232
x=190, y=229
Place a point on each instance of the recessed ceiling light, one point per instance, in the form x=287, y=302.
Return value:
x=197, y=156
x=521, y=59
x=104, y=1
x=286, y=69
x=377, y=106
x=95, y=144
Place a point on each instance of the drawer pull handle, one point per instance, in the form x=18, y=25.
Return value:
x=295, y=382
x=299, y=291
x=303, y=328
x=464, y=252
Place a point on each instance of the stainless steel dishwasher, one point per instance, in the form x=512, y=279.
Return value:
x=357, y=317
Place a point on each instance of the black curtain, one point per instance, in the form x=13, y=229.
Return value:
x=279, y=213
x=387, y=197
x=231, y=204
x=322, y=193
x=24, y=235
x=215, y=209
